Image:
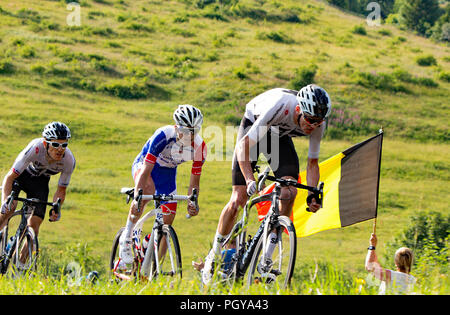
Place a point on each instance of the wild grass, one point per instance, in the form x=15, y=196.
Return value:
x=119, y=76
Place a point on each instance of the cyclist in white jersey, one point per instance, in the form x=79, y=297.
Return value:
x=31, y=171
x=270, y=121
x=155, y=167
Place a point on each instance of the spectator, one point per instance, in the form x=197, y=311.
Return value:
x=396, y=282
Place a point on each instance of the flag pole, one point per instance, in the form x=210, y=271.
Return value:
x=374, y=225
x=381, y=131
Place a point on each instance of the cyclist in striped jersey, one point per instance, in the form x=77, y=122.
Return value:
x=155, y=167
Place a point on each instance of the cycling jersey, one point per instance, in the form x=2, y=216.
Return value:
x=163, y=149
x=275, y=109
x=33, y=159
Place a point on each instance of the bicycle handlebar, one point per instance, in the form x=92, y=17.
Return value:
x=317, y=192
x=56, y=206
x=161, y=197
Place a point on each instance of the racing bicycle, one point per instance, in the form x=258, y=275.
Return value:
x=22, y=249
x=158, y=253
x=250, y=263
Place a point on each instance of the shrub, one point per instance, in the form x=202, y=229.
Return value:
x=444, y=76
x=424, y=231
x=303, y=76
x=380, y=81
x=359, y=29
x=275, y=36
x=426, y=61
x=6, y=67
x=133, y=88
x=385, y=32
x=26, y=51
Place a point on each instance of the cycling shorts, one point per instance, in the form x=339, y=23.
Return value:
x=34, y=187
x=165, y=180
x=283, y=159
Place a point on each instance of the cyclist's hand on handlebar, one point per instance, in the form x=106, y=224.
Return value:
x=192, y=209
x=251, y=187
x=313, y=205
x=54, y=216
x=134, y=206
x=7, y=206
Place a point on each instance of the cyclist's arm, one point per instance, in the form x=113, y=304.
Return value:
x=7, y=184
x=144, y=179
x=312, y=179
x=194, y=183
x=312, y=172
x=243, y=155
x=61, y=194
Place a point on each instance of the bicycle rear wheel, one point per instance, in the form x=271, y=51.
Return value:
x=26, y=253
x=168, y=255
x=280, y=271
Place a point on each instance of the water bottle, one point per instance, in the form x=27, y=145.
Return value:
x=9, y=245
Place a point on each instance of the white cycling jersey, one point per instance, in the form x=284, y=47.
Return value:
x=34, y=160
x=276, y=108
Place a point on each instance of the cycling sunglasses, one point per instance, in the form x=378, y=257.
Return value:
x=187, y=130
x=56, y=145
x=313, y=120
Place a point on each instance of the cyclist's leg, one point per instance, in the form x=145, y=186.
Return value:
x=238, y=195
x=133, y=214
x=35, y=187
x=125, y=240
x=284, y=164
x=165, y=183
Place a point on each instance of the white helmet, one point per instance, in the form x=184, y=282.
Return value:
x=188, y=116
x=56, y=131
x=314, y=101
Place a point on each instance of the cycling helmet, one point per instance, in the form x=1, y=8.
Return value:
x=56, y=131
x=314, y=101
x=188, y=116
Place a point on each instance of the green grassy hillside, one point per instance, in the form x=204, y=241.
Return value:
x=120, y=74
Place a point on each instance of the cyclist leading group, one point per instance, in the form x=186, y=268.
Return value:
x=271, y=119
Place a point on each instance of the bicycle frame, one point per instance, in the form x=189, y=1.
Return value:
x=245, y=250
x=244, y=253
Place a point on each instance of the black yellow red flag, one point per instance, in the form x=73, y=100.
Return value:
x=350, y=193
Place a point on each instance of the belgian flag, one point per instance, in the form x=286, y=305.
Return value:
x=350, y=192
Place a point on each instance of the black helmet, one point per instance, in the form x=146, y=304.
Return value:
x=56, y=131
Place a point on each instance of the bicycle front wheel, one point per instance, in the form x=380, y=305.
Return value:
x=276, y=270
x=119, y=270
x=165, y=259
x=26, y=253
